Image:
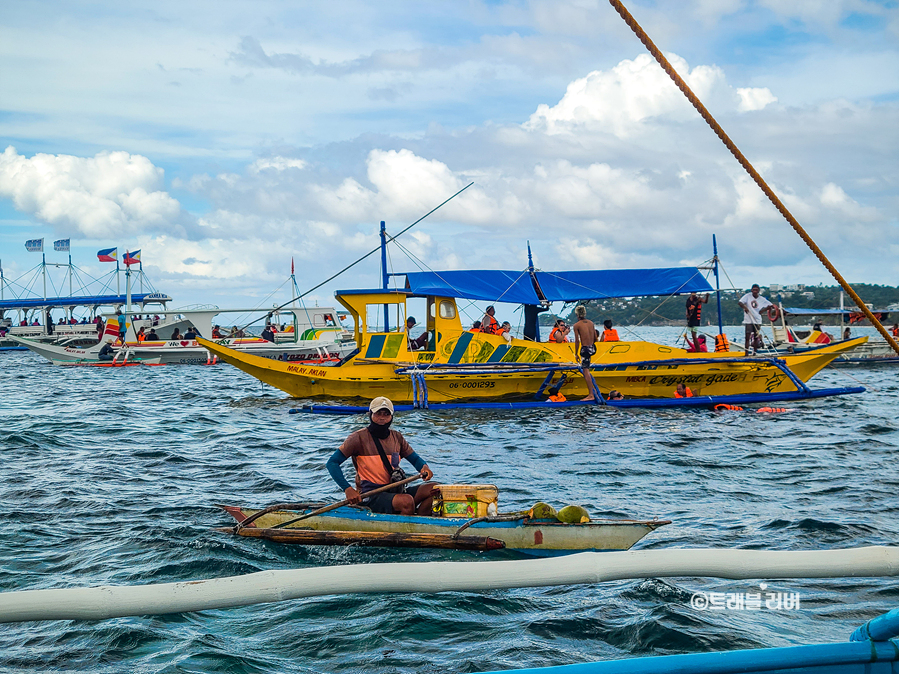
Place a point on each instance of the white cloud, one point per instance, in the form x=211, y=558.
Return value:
x=622, y=99
x=109, y=194
x=277, y=163
x=755, y=99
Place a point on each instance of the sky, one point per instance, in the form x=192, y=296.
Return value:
x=225, y=139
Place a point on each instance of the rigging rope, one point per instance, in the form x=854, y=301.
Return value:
x=735, y=151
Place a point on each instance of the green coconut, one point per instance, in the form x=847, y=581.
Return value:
x=542, y=511
x=573, y=514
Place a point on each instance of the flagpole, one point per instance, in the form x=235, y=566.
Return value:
x=44, y=268
x=127, y=296
x=70, y=271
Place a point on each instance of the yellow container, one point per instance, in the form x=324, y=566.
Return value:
x=465, y=500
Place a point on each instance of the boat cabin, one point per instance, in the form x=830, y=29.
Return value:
x=379, y=318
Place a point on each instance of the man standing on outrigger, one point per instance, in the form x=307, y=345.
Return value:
x=585, y=336
x=376, y=452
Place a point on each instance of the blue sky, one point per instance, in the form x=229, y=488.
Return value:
x=222, y=139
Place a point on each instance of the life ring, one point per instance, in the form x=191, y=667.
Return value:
x=773, y=313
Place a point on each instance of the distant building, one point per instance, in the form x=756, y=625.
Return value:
x=775, y=287
x=809, y=295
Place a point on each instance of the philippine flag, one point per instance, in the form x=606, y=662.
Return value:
x=107, y=254
x=132, y=258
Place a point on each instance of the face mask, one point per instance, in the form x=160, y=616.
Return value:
x=380, y=431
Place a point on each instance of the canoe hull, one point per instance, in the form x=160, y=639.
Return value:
x=528, y=536
x=637, y=369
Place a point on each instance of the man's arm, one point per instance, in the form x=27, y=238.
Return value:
x=336, y=473
x=419, y=464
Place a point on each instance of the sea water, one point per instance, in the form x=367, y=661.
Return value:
x=111, y=476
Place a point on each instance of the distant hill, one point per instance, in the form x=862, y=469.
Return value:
x=670, y=310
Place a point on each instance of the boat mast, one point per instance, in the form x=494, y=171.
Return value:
x=127, y=295
x=717, y=284
x=44, y=269
x=384, y=272
x=2, y=282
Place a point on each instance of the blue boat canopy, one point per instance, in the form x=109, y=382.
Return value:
x=564, y=286
x=84, y=301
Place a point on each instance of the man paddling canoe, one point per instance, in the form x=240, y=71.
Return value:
x=376, y=452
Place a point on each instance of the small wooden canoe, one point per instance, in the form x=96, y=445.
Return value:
x=370, y=538
x=536, y=537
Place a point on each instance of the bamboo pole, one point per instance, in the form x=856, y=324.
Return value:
x=750, y=169
x=101, y=603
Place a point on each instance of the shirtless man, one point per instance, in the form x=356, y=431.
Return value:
x=585, y=336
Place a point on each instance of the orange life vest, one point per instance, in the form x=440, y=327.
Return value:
x=770, y=410
x=724, y=406
x=141, y=336
x=689, y=394
x=697, y=307
x=895, y=332
x=610, y=336
x=489, y=325
x=474, y=329
x=552, y=334
x=721, y=343
x=558, y=398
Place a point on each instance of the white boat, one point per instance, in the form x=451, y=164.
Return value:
x=310, y=335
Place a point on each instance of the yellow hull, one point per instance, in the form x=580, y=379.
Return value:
x=461, y=373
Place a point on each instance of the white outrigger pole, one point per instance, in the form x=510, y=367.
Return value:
x=101, y=603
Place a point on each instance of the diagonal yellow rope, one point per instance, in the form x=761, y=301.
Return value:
x=707, y=116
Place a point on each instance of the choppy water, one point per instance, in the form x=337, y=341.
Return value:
x=110, y=476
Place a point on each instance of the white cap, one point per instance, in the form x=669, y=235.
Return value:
x=380, y=403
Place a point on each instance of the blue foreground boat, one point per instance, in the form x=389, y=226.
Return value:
x=870, y=650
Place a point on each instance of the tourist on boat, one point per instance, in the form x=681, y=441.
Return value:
x=824, y=338
x=152, y=336
x=609, y=334
x=505, y=330
x=376, y=452
x=555, y=395
x=683, y=391
x=698, y=344
x=615, y=395
x=191, y=333
x=419, y=342
x=107, y=352
x=156, y=320
x=267, y=334
x=559, y=333
x=176, y=334
x=123, y=326
x=475, y=327
x=585, y=337
x=217, y=332
x=895, y=330
x=847, y=333
x=141, y=334
x=488, y=323
x=752, y=304
x=694, y=312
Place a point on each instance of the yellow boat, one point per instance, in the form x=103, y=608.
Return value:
x=458, y=364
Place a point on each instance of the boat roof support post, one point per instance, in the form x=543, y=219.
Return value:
x=384, y=279
x=717, y=284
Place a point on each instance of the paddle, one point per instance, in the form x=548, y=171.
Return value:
x=280, y=506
